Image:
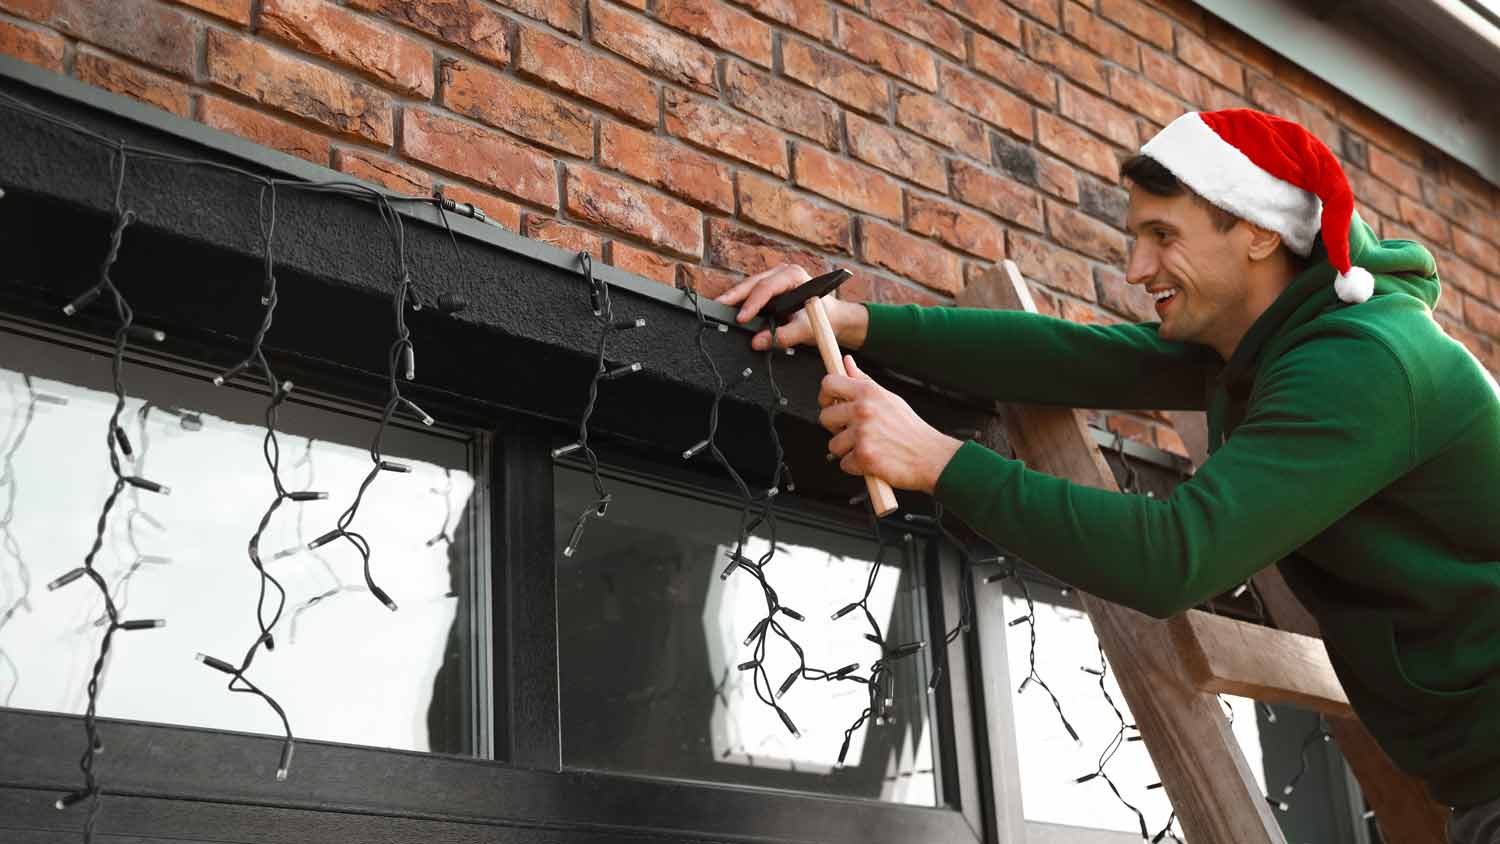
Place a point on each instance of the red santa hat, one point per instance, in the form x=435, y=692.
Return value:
x=1271, y=172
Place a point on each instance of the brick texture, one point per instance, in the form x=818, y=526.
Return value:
x=699, y=141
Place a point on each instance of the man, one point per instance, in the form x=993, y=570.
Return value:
x=1351, y=439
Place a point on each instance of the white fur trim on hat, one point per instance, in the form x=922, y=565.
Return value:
x=1223, y=175
x=1355, y=286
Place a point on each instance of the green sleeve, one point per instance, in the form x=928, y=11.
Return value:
x=1019, y=356
x=1329, y=425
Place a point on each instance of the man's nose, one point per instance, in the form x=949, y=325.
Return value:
x=1142, y=265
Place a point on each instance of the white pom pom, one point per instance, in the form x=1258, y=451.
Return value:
x=1355, y=286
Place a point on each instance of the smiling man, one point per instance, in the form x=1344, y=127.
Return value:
x=1351, y=440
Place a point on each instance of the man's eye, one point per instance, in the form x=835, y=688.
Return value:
x=1160, y=234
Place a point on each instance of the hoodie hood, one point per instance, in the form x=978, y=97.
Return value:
x=1400, y=268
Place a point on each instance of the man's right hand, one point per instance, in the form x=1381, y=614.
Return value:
x=850, y=320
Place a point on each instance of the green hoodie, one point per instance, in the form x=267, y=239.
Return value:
x=1357, y=444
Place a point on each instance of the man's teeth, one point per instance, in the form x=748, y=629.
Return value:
x=1164, y=294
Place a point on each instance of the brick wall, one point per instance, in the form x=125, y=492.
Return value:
x=701, y=140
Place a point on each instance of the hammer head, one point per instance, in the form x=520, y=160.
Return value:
x=783, y=305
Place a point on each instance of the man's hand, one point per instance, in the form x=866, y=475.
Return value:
x=849, y=320
x=877, y=433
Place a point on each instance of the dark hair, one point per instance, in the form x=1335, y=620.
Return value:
x=1149, y=175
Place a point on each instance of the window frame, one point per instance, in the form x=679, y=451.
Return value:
x=219, y=780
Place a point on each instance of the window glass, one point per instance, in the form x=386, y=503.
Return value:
x=651, y=637
x=1050, y=760
x=345, y=667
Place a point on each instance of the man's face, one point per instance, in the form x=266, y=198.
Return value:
x=1194, y=271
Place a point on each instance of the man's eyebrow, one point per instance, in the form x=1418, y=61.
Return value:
x=1153, y=221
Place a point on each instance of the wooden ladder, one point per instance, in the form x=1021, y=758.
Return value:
x=1169, y=671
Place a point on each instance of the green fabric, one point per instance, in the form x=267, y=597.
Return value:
x=1357, y=444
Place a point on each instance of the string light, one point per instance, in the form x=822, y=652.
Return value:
x=123, y=217
x=9, y=544
x=1318, y=734
x=603, y=314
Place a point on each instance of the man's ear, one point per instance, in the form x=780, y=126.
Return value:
x=1263, y=242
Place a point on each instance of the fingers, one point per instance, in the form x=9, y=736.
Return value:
x=836, y=417
x=839, y=388
x=753, y=293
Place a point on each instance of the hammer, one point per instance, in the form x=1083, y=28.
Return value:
x=808, y=296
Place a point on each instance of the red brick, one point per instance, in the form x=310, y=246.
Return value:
x=643, y=263
x=1130, y=428
x=709, y=283
x=1073, y=62
x=935, y=119
x=33, y=46
x=1000, y=196
x=1104, y=38
x=715, y=23
x=1084, y=234
x=873, y=44
x=1173, y=76
x=895, y=152
x=920, y=20
x=835, y=76
x=1216, y=98
x=469, y=24
x=1015, y=71
x=507, y=104
x=989, y=16
x=480, y=155
x=1189, y=12
x=1072, y=144
x=749, y=252
x=956, y=226
x=111, y=74
x=1211, y=62
x=566, y=15
x=848, y=183
x=1273, y=98
x=328, y=31
x=868, y=287
x=1434, y=228
x=1240, y=46
x=619, y=206
x=1085, y=109
x=1168, y=440
x=393, y=175
x=263, y=129
x=612, y=84
x=1382, y=131
x=1394, y=173
x=920, y=260
x=814, y=17
x=234, y=11
x=146, y=31
x=1476, y=250
x=1322, y=126
x=1021, y=162
x=501, y=211
x=657, y=49
x=1129, y=300
x=1043, y=10
x=562, y=235
x=718, y=130
x=298, y=87
x=776, y=206
x=1483, y=318
x=1451, y=203
x=1143, y=97
x=667, y=165
x=781, y=104
x=1150, y=25
x=1450, y=302
x=1370, y=189
x=1468, y=183
x=1082, y=314
x=990, y=102
x=1308, y=87
x=1043, y=263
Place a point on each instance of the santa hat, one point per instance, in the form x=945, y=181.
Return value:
x=1271, y=172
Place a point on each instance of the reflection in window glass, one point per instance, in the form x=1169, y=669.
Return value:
x=1051, y=761
x=345, y=668
x=650, y=638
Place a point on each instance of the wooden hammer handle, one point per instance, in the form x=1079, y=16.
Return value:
x=882, y=497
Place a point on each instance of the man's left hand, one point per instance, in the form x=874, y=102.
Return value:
x=877, y=433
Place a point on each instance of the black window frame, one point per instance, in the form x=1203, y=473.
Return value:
x=178, y=782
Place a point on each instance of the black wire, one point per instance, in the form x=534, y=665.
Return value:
x=1318, y=733
x=1113, y=746
x=8, y=541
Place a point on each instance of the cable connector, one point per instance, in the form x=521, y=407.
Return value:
x=216, y=664
x=143, y=624
x=620, y=372
x=149, y=486
x=845, y=610
x=83, y=300
x=66, y=578
x=307, y=495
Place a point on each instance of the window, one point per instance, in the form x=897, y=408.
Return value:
x=345, y=668
x=650, y=639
